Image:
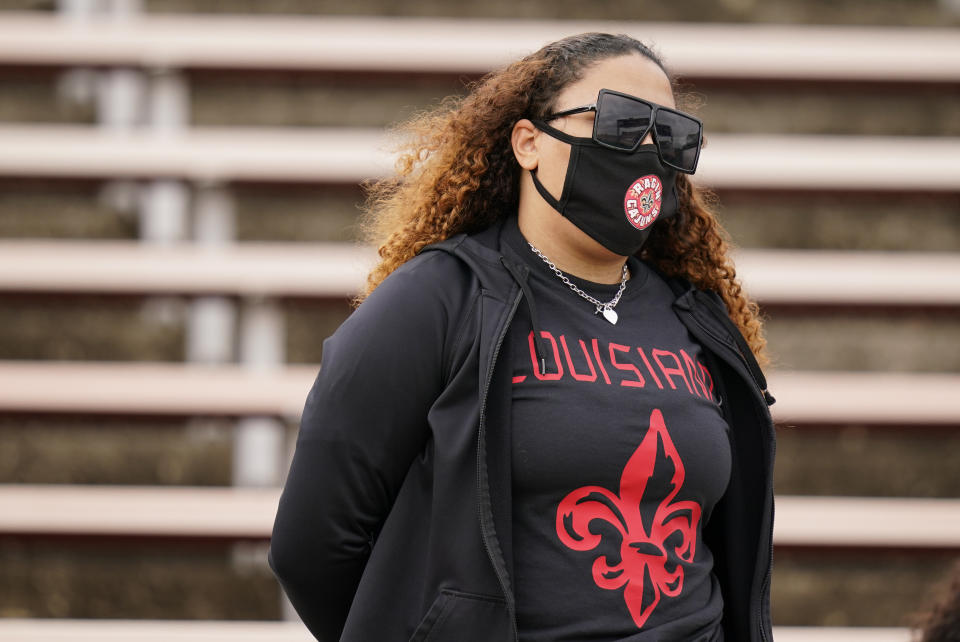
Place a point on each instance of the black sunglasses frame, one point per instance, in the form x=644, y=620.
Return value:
x=654, y=109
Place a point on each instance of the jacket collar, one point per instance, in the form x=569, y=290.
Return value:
x=498, y=276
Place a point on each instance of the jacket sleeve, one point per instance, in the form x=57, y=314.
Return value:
x=363, y=423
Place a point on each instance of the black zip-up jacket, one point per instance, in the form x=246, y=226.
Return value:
x=394, y=522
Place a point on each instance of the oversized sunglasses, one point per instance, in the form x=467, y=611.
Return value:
x=623, y=121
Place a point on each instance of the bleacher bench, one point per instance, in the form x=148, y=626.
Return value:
x=247, y=513
x=431, y=46
x=351, y=155
x=338, y=270
x=65, y=630
x=803, y=397
x=475, y=46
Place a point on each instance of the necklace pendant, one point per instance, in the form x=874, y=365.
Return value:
x=610, y=315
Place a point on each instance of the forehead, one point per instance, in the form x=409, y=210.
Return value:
x=631, y=74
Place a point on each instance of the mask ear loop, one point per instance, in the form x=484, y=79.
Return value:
x=574, y=142
x=550, y=130
x=547, y=196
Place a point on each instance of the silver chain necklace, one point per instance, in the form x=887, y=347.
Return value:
x=606, y=309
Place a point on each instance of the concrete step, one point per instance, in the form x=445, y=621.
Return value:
x=895, y=12
x=814, y=220
x=103, y=630
x=290, y=99
x=129, y=329
x=919, y=341
x=456, y=46
x=312, y=100
x=299, y=213
x=38, y=208
x=103, y=328
x=854, y=460
x=805, y=398
x=775, y=278
x=841, y=108
x=881, y=524
x=849, y=588
x=852, y=221
x=348, y=156
x=88, y=580
x=268, y=100
x=851, y=460
x=35, y=96
x=109, y=580
x=106, y=450
x=138, y=329
x=113, y=630
x=70, y=209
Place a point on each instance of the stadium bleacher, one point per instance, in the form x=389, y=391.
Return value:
x=143, y=137
x=209, y=631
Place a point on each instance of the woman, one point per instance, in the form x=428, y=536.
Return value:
x=546, y=420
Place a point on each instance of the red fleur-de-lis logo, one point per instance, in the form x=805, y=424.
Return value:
x=656, y=551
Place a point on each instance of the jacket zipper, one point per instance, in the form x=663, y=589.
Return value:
x=740, y=356
x=769, y=573
x=483, y=407
x=758, y=609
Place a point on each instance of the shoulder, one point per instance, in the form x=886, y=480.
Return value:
x=421, y=302
x=432, y=279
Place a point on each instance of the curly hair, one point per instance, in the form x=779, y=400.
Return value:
x=942, y=622
x=456, y=172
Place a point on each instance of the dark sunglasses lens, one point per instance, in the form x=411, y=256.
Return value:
x=621, y=122
x=678, y=138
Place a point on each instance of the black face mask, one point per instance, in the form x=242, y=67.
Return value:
x=612, y=196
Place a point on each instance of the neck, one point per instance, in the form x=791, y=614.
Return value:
x=571, y=250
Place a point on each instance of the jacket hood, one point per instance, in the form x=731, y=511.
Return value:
x=497, y=273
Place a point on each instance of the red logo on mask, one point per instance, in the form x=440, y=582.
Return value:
x=653, y=548
x=643, y=200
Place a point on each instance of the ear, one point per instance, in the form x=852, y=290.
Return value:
x=523, y=138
